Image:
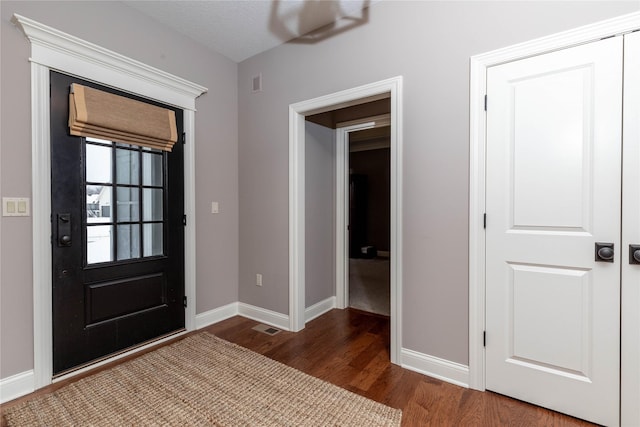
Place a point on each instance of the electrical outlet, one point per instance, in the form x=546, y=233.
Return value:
x=258, y=279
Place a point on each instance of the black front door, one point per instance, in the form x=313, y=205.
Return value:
x=117, y=239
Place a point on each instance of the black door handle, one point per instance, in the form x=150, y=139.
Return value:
x=604, y=252
x=64, y=229
x=634, y=254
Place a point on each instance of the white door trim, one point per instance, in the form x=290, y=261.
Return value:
x=54, y=50
x=342, y=210
x=477, y=143
x=297, y=113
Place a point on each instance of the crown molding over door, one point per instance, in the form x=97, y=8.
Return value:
x=52, y=49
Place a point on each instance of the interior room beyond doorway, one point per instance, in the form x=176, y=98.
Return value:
x=369, y=220
x=367, y=205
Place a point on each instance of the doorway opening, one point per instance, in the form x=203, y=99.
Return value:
x=369, y=220
x=386, y=91
x=360, y=152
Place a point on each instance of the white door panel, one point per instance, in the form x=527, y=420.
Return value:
x=553, y=191
x=564, y=294
x=557, y=100
x=631, y=234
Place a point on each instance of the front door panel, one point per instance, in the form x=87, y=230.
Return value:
x=553, y=192
x=118, y=240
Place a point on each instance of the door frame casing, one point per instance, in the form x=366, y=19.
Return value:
x=52, y=49
x=386, y=88
x=477, y=145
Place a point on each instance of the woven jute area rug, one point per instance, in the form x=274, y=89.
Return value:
x=202, y=380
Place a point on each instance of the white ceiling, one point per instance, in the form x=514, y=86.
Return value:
x=240, y=29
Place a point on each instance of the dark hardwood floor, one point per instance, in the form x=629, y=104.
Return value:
x=350, y=348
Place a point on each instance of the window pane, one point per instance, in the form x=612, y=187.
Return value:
x=98, y=167
x=122, y=144
x=152, y=169
x=128, y=241
x=128, y=201
x=99, y=243
x=153, y=239
x=153, y=150
x=152, y=204
x=127, y=167
x=98, y=204
x=102, y=141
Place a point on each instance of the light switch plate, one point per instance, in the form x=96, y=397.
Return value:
x=215, y=208
x=15, y=206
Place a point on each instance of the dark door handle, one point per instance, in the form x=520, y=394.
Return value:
x=64, y=229
x=634, y=254
x=604, y=252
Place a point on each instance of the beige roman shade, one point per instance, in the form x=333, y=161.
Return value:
x=103, y=115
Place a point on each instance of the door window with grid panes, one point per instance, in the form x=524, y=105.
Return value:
x=125, y=189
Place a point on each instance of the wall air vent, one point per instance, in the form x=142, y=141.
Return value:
x=256, y=84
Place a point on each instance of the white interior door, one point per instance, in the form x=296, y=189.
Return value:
x=553, y=191
x=631, y=234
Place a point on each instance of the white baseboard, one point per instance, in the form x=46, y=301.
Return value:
x=319, y=309
x=263, y=315
x=20, y=384
x=216, y=315
x=432, y=366
x=16, y=385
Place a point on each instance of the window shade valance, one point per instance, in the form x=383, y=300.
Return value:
x=103, y=115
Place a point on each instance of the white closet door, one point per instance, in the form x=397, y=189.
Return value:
x=553, y=191
x=631, y=234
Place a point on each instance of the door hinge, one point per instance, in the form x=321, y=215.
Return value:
x=184, y=138
x=485, y=103
x=184, y=220
x=484, y=221
x=484, y=337
x=184, y=301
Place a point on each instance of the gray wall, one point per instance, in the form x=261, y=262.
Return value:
x=320, y=152
x=429, y=43
x=126, y=31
